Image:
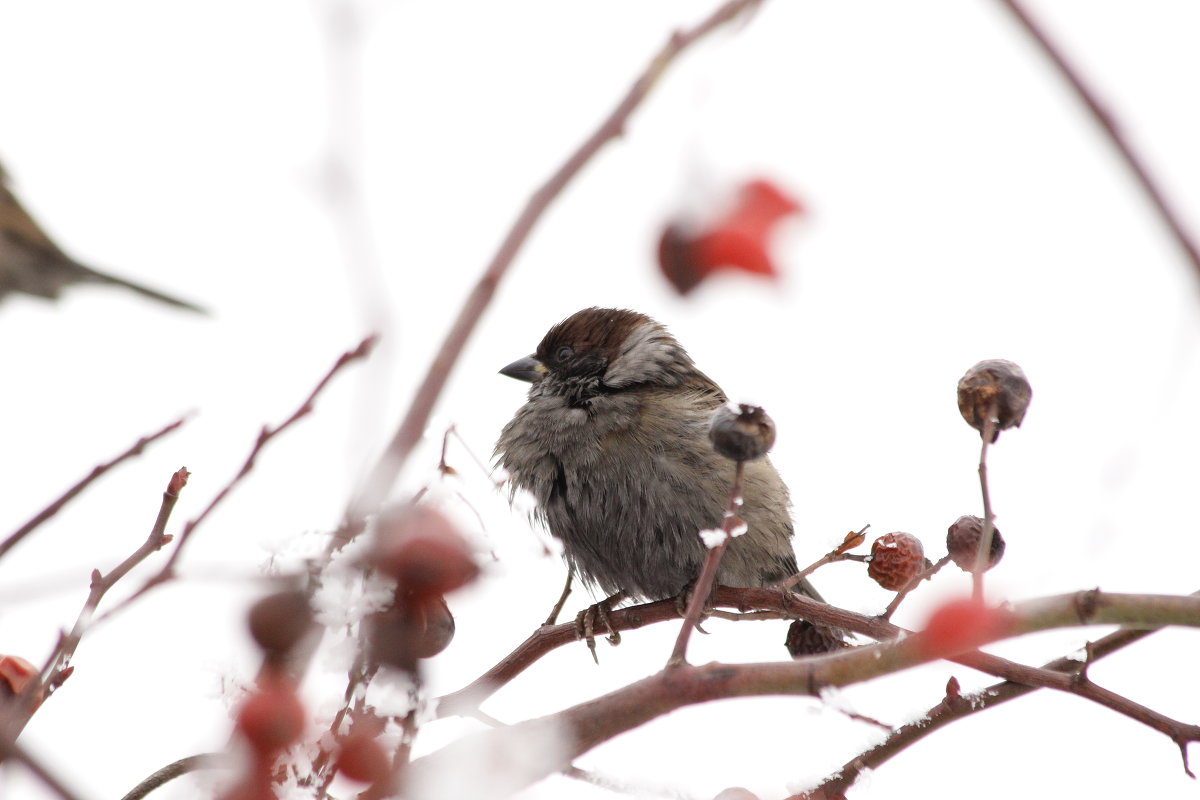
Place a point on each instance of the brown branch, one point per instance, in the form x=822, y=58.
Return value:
x=19, y=755
x=1112, y=128
x=383, y=475
x=582, y=727
x=708, y=572
x=954, y=708
x=362, y=350
x=97, y=471
x=174, y=770
x=57, y=669
x=913, y=584
x=548, y=638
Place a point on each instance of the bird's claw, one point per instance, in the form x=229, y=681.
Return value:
x=681, y=603
x=585, y=624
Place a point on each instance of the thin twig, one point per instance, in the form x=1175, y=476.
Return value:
x=52, y=509
x=954, y=708
x=20, y=755
x=708, y=573
x=53, y=674
x=174, y=770
x=562, y=598
x=411, y=429
x=362, y=350
x=839, y=553
x=913, y=584
x=1112, y=128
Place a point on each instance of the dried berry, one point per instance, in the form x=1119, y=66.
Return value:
x=962, y=543
x=417, y=626
x=896, y=558
x=279, y=621
x=423, y=551
x=741, y=432
x=807, y=639
x=995, y=388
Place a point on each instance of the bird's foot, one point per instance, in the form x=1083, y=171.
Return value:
x=585, y=623
x=685, y=597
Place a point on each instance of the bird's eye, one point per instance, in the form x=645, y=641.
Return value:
x=564, y=354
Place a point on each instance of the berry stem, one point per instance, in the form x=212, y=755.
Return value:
x=985, y=541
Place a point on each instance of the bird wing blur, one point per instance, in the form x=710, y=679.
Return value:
x=31, y=263
x=613, y=443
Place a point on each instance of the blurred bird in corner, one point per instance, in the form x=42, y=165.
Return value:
x=31, y=263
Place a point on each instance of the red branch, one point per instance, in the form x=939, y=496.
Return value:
x=52, y=509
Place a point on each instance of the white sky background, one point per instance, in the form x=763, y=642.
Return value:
x=962, y=207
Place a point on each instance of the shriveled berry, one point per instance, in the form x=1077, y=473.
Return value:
x=741, y=432
x=279, y=621
x=962, y=543
x=996, y=388
x=424, y=551
x=896, y=558
x=417, y=626
x=805, y=638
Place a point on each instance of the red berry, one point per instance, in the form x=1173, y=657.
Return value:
x=961, y=625
x=272, y=717
x=362, y=758
x=423, y=551
x=896, y=558
x=738, y=240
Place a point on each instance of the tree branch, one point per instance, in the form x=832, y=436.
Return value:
x=383, y=475
x=582, y=727
x=1112, y=128
x=97, y=471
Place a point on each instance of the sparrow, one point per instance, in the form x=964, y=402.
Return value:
x=32, y=263
x=613, y=444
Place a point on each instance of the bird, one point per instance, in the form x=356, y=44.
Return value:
x=31, y=263
x=613, y=444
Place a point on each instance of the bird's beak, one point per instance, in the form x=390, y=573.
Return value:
x=525, y=369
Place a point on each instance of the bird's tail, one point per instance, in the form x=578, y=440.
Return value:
x=96, y=276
